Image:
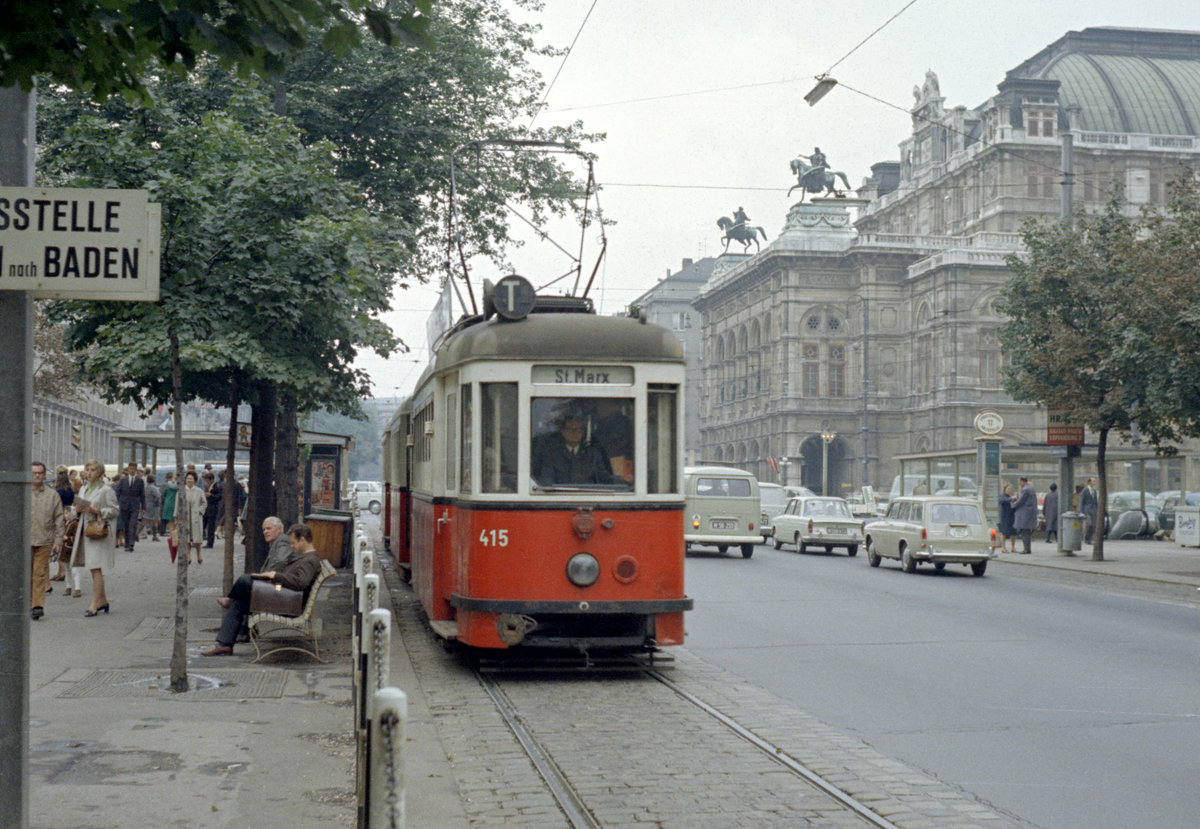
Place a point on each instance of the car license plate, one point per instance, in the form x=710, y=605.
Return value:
x=959, y=532
x=724, y=525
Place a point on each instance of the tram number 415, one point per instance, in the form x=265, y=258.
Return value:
x=494, y=538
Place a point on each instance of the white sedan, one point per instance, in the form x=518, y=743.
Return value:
x=818, y=522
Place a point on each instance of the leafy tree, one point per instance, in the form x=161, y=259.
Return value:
x=55, y=375
x=397, y=114
x=102, y=47
x=1165, y=308
x=1068, y=327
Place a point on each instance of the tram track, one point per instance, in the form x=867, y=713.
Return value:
x=575, y=803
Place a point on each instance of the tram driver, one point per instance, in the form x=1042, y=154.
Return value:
x=564, y=457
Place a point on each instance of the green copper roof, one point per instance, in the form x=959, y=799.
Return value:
x=1128, y=93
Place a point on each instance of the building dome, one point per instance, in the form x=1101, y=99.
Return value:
x=1125, y=80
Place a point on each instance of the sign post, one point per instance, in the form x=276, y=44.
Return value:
x=62, y=243
x=1061, y=431
x=54, y=244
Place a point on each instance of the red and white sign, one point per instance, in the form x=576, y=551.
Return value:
x=1060, y=431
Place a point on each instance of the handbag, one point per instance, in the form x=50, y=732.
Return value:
x=96, y=528
x=268, y=597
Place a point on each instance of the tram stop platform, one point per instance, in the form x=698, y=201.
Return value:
x=267, y=744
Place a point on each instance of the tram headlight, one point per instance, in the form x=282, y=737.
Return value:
x=583, y=569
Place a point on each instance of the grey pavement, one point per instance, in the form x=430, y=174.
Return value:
x=1148, y=560
x=272, y=743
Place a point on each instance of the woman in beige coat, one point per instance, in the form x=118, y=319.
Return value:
x=189, y=505
x=95, y=502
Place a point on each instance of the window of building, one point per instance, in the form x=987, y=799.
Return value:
x=923, y=373
x=1039, y=181
x=837, y=371
x=1040, y=123
x=810, y=377
x=989, y=358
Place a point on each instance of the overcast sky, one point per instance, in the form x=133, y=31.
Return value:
x=703, y=106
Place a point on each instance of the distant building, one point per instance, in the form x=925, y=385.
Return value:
x=883, y=333
x=669, y=304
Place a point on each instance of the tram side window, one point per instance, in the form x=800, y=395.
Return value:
x=582, y=442
x=662, y=462
x=451, y=443
x=498, y=421
x=465, y=474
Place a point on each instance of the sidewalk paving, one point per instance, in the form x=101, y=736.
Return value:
x=1145, y=559
x=110, y=746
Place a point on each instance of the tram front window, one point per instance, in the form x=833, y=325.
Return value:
x=582, y=443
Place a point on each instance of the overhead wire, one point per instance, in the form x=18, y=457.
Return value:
x=563, y=63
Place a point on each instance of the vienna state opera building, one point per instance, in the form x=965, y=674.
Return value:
x=880, y=333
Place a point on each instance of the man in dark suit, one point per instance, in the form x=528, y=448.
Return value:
x=565, y=457
x=131, y=499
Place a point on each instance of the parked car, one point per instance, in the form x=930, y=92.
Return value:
x=369, y=495
x=773, y=500
x=1170, y=500
x=818, y=522
x=937, y=529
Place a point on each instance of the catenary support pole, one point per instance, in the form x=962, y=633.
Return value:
x=18, y=112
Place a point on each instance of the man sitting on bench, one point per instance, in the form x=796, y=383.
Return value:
x=300, y=570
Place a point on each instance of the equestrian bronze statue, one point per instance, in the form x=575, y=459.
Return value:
x=740, y=232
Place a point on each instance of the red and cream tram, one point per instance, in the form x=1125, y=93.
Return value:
x=535, y=479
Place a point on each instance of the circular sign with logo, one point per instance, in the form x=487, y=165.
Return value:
x=989, y=423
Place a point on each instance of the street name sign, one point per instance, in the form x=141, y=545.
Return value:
x=69, y=243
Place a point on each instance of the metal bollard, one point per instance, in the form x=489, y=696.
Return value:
x=370, y=593
x=385, y=789
x=376, y=643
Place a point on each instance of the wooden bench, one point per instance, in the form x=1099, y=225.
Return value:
x=262, y=625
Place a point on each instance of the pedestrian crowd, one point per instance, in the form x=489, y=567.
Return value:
x=1018, y=514
x=73, y=520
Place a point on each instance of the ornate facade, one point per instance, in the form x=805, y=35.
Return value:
x=881, y=334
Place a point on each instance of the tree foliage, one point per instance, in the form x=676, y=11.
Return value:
x=270, y=266
x=397, y=114
x=103, y=47
x=1067, y=327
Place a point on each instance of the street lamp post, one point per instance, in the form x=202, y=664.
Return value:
x=784, y=463
x=826, y=439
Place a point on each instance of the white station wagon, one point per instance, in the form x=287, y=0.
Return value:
x=937, y=529
x=818, y=522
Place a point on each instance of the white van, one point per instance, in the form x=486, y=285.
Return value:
x=774, y=500
x=721, y=509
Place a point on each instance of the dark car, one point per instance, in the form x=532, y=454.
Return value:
x=1166, y=515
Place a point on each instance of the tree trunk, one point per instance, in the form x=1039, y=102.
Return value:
x=231, y=483
x=287, y=461
x=1101, y=498
x=179, y=676
x=262, y=472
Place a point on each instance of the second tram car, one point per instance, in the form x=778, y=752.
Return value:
x=535, y=479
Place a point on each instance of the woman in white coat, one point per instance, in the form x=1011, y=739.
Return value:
x=190, y=504
x=95, y=502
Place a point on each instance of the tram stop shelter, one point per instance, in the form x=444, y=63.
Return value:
x=977, y=472
x=324, y=467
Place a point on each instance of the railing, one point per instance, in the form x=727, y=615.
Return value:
x=380, y=711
